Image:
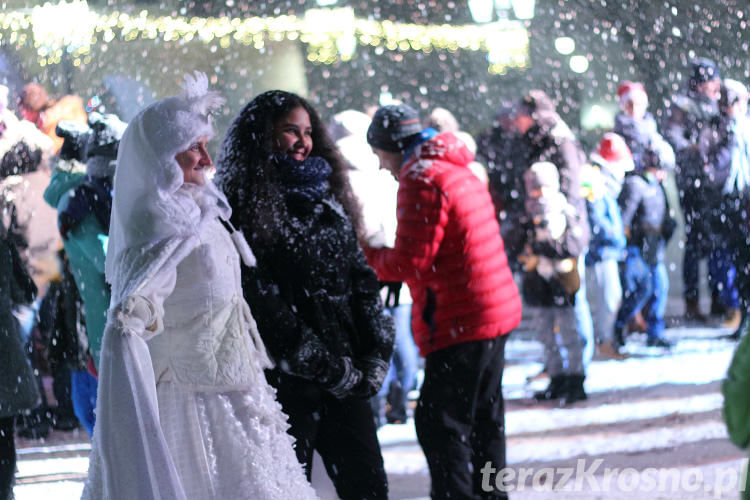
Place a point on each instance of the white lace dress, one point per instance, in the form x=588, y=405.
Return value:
x=223, y=428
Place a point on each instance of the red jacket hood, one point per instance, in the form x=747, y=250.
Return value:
x=444, y=147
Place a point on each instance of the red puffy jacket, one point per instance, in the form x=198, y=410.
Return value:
x=448, y=250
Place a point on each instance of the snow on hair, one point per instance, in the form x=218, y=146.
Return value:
x=195, y=89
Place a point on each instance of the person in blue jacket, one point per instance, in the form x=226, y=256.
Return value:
x=603, y=182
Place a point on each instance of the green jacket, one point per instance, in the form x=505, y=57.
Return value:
x=736, y=389
x=86, y=250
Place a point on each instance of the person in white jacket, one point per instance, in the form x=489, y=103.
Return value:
x=184, y=409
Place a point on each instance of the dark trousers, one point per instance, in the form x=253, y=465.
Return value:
x=460, y=418
x=697, y=248
x=7, y=458
x=341, y=430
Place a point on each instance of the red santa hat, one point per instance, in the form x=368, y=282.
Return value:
x=629, y=91
x=613, y=155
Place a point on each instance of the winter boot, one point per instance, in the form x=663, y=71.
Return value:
x=693, y=311
x=554, y=390
x=573, y=391
x=608, y=350
x=732, y=319
x=737, y=334
x=396, y=413
x=658, y=342
x=618, y=337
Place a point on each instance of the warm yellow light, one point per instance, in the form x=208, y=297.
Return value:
x=331, y=34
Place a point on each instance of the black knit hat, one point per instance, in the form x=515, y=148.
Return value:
x=704, y=70
x=393, y=128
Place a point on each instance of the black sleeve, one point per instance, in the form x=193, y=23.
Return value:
x=629, y=200
x=293, y=345
x=719, y=154
x=23, y=289
x=675, y=129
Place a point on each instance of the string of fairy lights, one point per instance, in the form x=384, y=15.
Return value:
x=329, y=34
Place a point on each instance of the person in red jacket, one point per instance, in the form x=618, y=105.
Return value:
x=449, y=251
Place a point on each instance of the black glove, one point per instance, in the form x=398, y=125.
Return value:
x=373, y=371
x=350, y=377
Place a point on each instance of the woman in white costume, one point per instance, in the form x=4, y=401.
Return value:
x=184, y=410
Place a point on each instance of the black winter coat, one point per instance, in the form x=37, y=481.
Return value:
x=313, y=295
x=62, y=320
x=688, y=117
x=645, y=211
x=551, y=140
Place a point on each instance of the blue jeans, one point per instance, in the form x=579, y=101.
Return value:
x=643, y=284
x=404, y=362
x=83, y=394
x=403, y=367
x=723, y=276
x=584, y=324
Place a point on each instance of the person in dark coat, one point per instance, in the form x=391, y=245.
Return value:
x=638, y=127
x=546, y=137
x=498, y=149
x=688, y=115
x=62, y=315
x=727, y=148
x=313, y=296
x=649, y=224
x=18, y=389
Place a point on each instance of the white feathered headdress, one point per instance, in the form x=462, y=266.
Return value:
x=147, y=207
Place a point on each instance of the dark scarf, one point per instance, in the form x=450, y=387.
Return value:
x=303, y=180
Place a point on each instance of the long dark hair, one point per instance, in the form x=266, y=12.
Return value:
x=248, y=177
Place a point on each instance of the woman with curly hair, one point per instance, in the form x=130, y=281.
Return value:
x=313, y=295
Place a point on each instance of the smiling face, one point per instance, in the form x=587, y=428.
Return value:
x=292, y=134
x=194, y=161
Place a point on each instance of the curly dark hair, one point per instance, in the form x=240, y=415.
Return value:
x=249, y=178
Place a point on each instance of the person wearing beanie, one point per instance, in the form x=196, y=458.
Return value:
x=376, y=191
x=184, y=410
x=649, y=224
x=449, y=251
x=607, y=167
x=689, y=114
x=393, y=128
x=638, y=127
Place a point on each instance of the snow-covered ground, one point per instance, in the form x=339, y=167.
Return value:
x=656, y=400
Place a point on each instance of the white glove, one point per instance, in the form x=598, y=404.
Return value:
x=138, y=314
